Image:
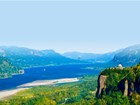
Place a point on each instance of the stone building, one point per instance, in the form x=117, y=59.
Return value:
x=120, y=67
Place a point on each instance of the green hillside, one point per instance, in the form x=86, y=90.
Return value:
x=119, y=86
x=7, y=69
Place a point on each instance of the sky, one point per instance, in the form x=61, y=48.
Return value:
x=86, y=26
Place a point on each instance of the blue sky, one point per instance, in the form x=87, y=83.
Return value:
x=86, y=26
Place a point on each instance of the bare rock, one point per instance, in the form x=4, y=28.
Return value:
x=125, y=88
x=101, y=84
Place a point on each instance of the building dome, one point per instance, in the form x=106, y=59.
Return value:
x=120, y=66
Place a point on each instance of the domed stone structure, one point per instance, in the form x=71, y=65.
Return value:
x=120, y=66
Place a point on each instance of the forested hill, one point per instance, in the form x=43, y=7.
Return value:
x=7, y=69
x=119, y=86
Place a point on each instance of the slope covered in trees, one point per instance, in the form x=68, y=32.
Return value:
x=7, y=69
x=119, y=86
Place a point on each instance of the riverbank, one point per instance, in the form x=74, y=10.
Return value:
x=7, y=93
x=48, y=82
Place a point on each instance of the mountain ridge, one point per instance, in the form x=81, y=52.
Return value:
x=25, y=57
x=21, y=56
x=91, y=57
x=129, y=56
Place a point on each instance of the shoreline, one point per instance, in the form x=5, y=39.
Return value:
x=6, y=93
x=28, y=67
x=48, y=82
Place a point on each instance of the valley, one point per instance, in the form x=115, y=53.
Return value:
x=48, y=69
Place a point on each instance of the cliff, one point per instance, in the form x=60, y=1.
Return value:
x=126, y=81
x=101, y=84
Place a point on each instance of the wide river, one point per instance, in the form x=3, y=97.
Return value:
x=47, y=73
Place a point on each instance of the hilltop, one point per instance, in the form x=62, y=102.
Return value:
x=119, y=86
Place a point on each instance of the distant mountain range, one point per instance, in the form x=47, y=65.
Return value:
x=91, y=57
x=127, y=57
x=25, y=57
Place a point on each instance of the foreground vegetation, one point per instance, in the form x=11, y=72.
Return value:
x=80, y=93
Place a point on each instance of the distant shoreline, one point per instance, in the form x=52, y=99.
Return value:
x=50, y=65
x=6, y=93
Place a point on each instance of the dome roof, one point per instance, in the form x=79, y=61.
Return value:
x=119, y=65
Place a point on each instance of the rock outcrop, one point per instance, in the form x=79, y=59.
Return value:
x=125, y=88
x=126, y=80
x=124, y=85
x=101, y=84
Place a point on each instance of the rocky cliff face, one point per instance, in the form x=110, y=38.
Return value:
x=125, y=93
x=124, y=85
x=101, y=84
x=115, y=80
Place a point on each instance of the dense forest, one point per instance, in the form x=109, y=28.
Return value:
x=7, y=69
